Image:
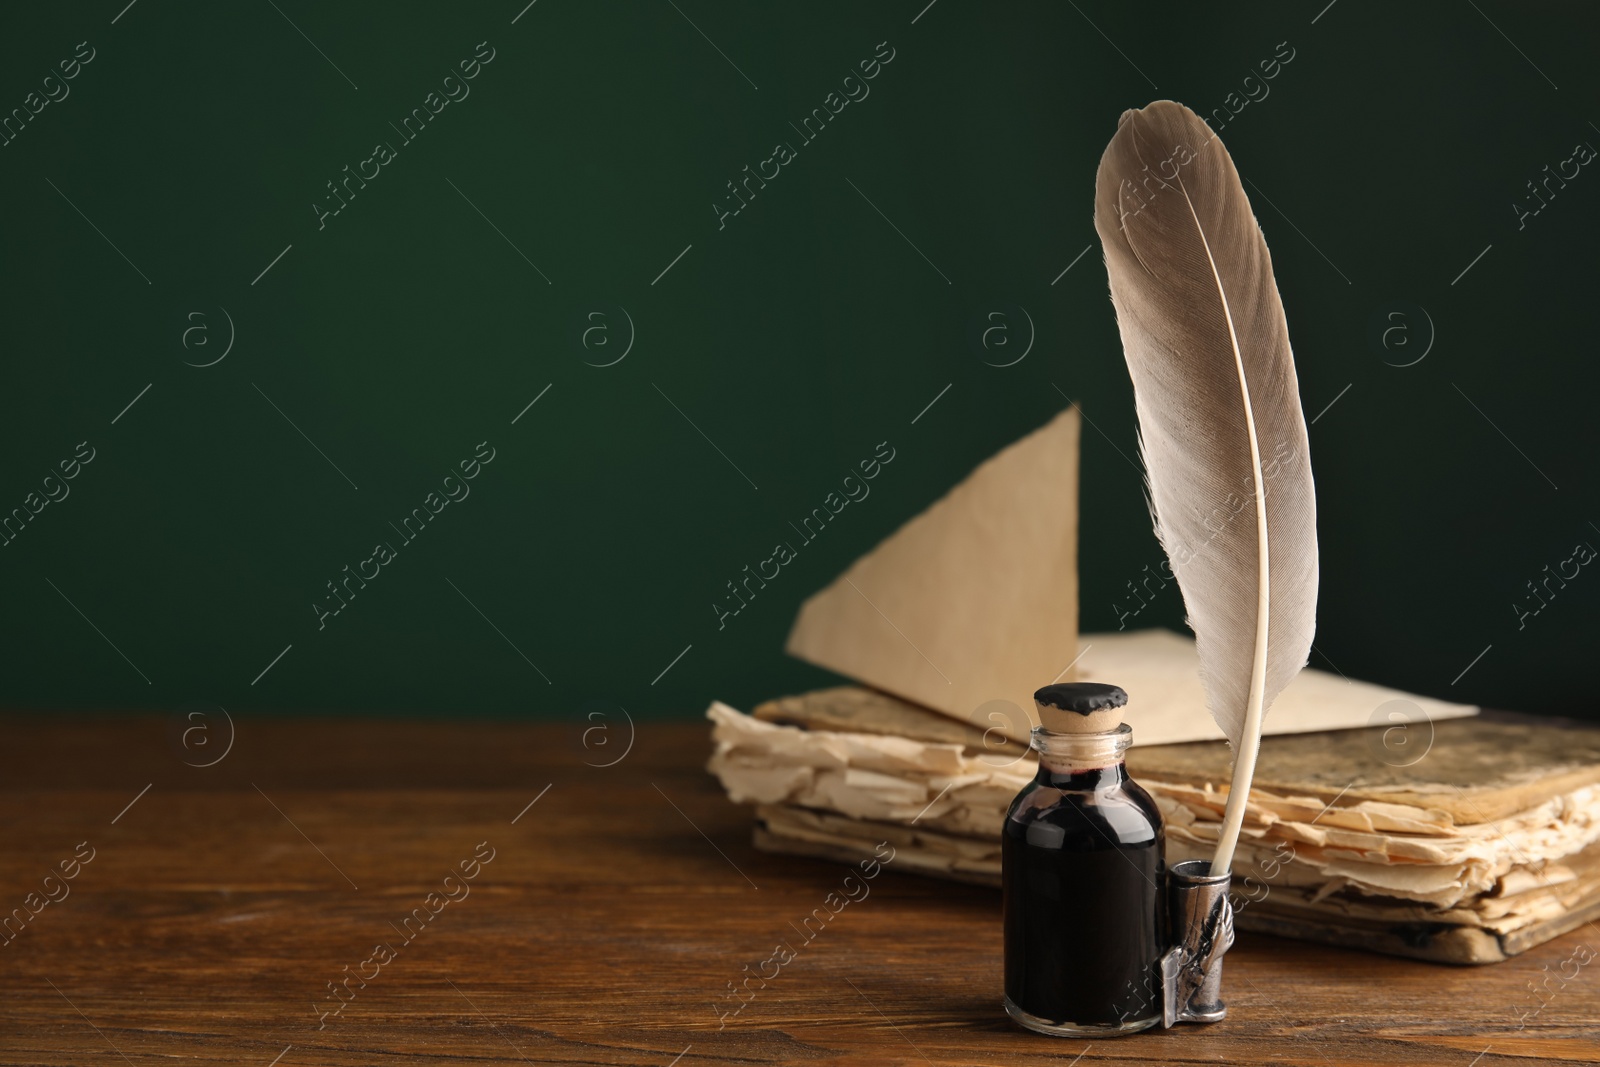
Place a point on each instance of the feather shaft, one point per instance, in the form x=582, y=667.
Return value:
x=1244, y=759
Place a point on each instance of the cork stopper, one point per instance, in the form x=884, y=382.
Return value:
x=1080, y=707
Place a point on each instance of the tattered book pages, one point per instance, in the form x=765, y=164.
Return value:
x=1465, y=847
x=1543, y=905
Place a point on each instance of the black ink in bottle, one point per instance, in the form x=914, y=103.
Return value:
x=1082, y=863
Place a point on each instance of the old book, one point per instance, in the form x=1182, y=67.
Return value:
x=959, y=615
x=1565, y=898
x=1483, y=847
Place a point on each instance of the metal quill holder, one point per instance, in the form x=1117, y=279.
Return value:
x=1201, y=921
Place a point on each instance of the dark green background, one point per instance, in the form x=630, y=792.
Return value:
x=797, y=338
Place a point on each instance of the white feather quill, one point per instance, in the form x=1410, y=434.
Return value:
x=1221, y=430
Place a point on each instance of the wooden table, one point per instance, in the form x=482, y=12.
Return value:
x=619, y=904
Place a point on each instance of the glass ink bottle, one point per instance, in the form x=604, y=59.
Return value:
x=1083, y=869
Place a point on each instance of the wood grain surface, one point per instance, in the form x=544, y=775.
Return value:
x=606, y=928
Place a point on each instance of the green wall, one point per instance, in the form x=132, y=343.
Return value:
x=392, y=338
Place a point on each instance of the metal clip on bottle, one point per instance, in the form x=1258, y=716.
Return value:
x=1200, y=921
